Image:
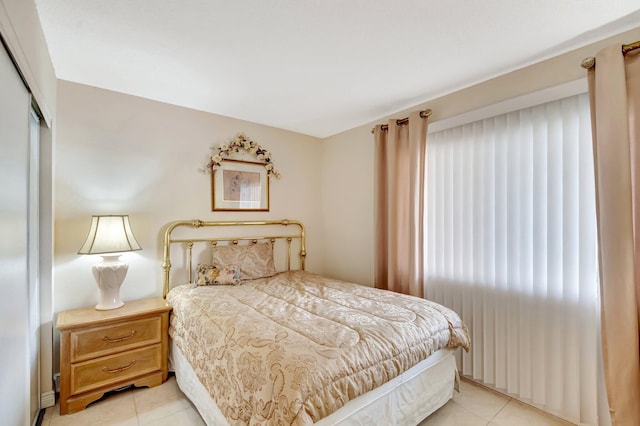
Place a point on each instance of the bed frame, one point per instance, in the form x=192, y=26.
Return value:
x=188, y=243
x=406, y=400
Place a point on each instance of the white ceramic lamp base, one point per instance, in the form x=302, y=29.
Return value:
x=109, y=275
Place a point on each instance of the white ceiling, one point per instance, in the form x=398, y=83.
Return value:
x=317, y=67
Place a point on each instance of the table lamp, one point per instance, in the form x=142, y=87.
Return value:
x=109, y=236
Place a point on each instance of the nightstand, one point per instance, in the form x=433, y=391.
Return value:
x=105, y=350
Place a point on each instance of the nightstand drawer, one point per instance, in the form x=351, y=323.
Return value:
x=101, y=341
x=111, y=369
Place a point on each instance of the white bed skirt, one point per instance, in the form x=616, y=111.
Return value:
x=404, y=401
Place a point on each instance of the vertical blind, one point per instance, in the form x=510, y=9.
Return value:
x=511, y=245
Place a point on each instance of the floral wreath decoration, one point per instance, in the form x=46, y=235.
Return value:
x=240, y=142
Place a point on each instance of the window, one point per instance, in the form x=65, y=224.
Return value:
x=511, y=245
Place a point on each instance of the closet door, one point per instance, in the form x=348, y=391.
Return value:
x=15, y=108
x=33, y=264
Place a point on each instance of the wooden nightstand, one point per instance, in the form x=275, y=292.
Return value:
x=105, y=350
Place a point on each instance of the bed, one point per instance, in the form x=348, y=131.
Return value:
x=256, y=339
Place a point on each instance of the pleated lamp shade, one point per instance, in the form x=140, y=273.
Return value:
x=109, y=234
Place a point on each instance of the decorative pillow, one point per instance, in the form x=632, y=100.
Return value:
x=228, y=275
x=255, y=260
x=206, y=274
x=218, y=275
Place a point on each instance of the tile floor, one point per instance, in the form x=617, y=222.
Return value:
x=476, y=405
x=166, y=405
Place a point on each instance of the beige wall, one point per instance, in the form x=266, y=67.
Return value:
x=347, y=205
x=347, y=165
x=121, y=154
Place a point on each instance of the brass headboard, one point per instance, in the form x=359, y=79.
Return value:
x=189, y=242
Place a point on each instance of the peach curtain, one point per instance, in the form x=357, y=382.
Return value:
x=400, y=153
x=614, y=88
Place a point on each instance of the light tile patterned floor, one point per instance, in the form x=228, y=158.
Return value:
x=476, y=405
x=166, y=405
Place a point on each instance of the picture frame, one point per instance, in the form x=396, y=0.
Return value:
x=238, y=185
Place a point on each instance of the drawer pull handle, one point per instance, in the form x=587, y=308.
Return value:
x=117, y=370
x=119, y=339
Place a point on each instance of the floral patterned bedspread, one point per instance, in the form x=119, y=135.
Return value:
x=295, y=347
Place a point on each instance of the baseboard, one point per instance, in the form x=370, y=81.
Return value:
x=47, y=399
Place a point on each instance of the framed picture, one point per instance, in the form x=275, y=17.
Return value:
x=240, y=186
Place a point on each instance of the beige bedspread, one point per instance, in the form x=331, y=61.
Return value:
x=293, y=348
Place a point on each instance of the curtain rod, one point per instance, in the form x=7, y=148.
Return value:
x=401, y=121
x=626, y=48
